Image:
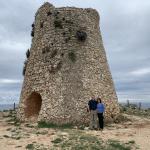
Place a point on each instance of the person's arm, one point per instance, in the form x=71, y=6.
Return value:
x=104, y=107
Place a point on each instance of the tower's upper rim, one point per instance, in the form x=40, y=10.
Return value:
x=67, y=8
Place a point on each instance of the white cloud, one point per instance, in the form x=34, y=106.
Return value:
x=9, y=81
x=9, y=97
x=141, y=72
x=12, y=45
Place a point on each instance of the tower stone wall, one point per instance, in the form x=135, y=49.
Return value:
x=66, y=66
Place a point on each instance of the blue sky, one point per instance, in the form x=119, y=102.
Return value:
x=126, y=36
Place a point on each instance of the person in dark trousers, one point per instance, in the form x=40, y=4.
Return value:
x=100, y=111
x=92, y=108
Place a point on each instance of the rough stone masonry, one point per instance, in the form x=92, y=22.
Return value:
x=65, y=66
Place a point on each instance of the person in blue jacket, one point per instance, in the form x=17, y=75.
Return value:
x=100, y=111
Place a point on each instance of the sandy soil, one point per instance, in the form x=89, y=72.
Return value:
x=138, y=130
x=18, y=137
x=14, y=137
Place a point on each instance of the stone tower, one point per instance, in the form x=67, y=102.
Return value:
x=66, y=65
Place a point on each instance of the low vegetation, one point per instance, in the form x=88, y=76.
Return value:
x=43, y=124
x=133, y=109
x=66, y=136
x=79, y=140
x=72, y=56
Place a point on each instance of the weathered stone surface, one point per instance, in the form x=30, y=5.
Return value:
x=64, y=70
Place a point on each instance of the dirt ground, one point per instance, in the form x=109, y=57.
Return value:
x=18, y=137
x=138, y=130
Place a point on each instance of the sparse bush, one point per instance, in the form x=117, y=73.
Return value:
x=81, y=35
x=54, y=53
x=49, y=13
x=58, y=24
x=6, y=136
x=116, y=145
x=58, y=140
x=28, y=53
x=24, y=67
x=32, y=32
x=131, y=142
x=30, y=146
x=43, y=124
x=121, y=118
x=69, y=22
x=72, y=56
x=32, y=25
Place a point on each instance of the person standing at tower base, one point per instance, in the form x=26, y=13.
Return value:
x=92, y=106
x=100, y=111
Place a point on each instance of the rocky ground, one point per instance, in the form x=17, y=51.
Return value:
x=133, y=132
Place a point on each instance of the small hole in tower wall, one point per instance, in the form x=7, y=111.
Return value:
x=58, y=24
x=33, y=105
x=41, y=25
x=64, y=33
x=43, y=51
x=112, y=116
x=49, y=13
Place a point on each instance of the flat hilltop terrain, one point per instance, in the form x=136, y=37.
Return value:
x=130, y=132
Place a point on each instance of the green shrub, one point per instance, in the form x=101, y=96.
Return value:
x=131, y=142
x=58, y=24
x=32, y=33
x=24, y=67
x=28, y=53
x=30, y=146
x=58, y=140
x=6, y=136
x=54, y=53
x=116, y=145
x=81, y=35
x=72, y=56
x=43, y=124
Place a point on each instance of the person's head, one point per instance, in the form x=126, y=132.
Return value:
x=93, y=97
x=99, y=100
